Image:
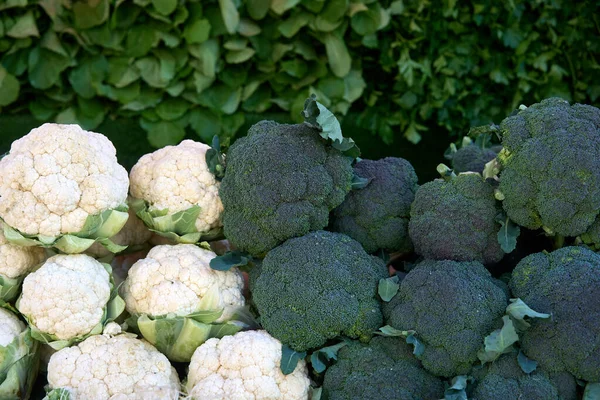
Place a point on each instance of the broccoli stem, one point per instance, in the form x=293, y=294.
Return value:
x=559, y=241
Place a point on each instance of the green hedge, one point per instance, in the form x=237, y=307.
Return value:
x=199, y=67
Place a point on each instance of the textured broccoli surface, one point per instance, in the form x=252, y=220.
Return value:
x=504, y=379
x=472, y=158
x=551, y=173
x=452, y=306
x=566, y=284
x=383, y=369
x=455, y=220
x=316, y=287
x=377, y=215
x=281, y=181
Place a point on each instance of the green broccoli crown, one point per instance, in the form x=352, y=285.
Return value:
x=566, y=284
x=455, y=220
x=472, y=158
x=281, y=181
x=504, y=379
x=316, y=287
x=452, y=306
x=551, y=175
x=377, y=215
x=383, y=369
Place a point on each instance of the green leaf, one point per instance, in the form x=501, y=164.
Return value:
x=361, y=183
x=59, y=394
x=290, y=27
x=9, y=87
x=337, y=54
x=45, y=67
x=197, y=31
x=24, y=27
x=457, y=390
x=140, y=39
x=71, y=244
x=258, y=9
x=334, y=10
x=215, y=159
x=172, y=109
x=239, y=56
x=248, y=28
x=508, y=233
x=592, y=391
x=390, y=331
x=526, y=364
x=165, y=7
x=281, y=6
x=367, y=22
x=13, y=3
x=90, y=13
x=165, y=133
x=157, y=72
x=499, y=341
x=289, y=359
x=518, y=310
x=88, y=75
x=388, y=288
x=205, y=123
x=419, y=348
x=323, y=357
x=231, y=259
x=10, y=288
x=230, y=15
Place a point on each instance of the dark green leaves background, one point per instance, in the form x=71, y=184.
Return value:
x=400, y=68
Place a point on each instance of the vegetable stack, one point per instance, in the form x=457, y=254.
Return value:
x=290, y=268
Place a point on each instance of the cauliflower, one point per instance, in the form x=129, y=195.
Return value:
x=118, y=367
x=245, y=366
x=174, y=282
x=10, y=326
x=61, y=180
x=68, y=298
x=15, y=263
x=176, y=179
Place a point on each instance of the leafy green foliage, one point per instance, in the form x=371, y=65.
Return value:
x=388, y=288
x=289, y=359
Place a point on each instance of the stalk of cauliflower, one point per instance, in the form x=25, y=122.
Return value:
x=69, y=298
x=177, y=301
x=15, y=263
x=61, y=186
x=244, y=366
x=113, y=365
x=19, y=357
x=176, y=194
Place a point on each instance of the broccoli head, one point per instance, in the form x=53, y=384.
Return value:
x=316, y=287
x=281, y=181
x=504, y=379
x=551, y=166
x=473, y=155
x=454, y=219
x=383, y=369
x=377, y=215
x=565, y=284
x=452, y=306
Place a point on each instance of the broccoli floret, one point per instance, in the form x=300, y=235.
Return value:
x=472, y=158
x=452, y=306
x=551, y=170
x=316, y=287
x=281, y=181
x=377, y=215
x=383, y=369
x=454, y=219
x=565, y=284
x=504, y=379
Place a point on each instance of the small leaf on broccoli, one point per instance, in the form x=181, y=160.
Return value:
x=289, y=359
x=518, y=310
x=388, y=288
x=499, y=341
x=527, y=365
x=592, y=391
x=215, y=159
x=458, y=390
x=322, y=358
x=229, y=260
x=359, y=182
x=508, y=233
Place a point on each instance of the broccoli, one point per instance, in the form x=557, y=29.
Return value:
x=377, y=215
x=565, y=284
x=472, y=156
x=551, y=166
x=383, y=369
x=454, y=219
x=281, y=181
x=316, y=287
x=504, y=379
x=452, y=306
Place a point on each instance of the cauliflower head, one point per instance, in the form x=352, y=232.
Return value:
x=281, y=181
x=16, y=261
x=67, y=296
x=565, y=284
x=176, y=178
x=118, y=367
x=377, y=215
x=175, y=279
x=452, y=306
x=57, y=176
x=10, y=327
x=244, y=366
x=550, y=178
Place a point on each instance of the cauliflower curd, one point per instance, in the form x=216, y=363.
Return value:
x=58, y=175
x=16, y=260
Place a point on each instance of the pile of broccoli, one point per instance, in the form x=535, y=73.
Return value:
x=342, y=251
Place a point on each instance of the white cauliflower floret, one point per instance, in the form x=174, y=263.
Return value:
x=177, y=178
x=244, y=366
x=16, y=260
x=10, y=327
x=66, y=296
x=174, y=279
x=116, y=367
x=56, y=176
